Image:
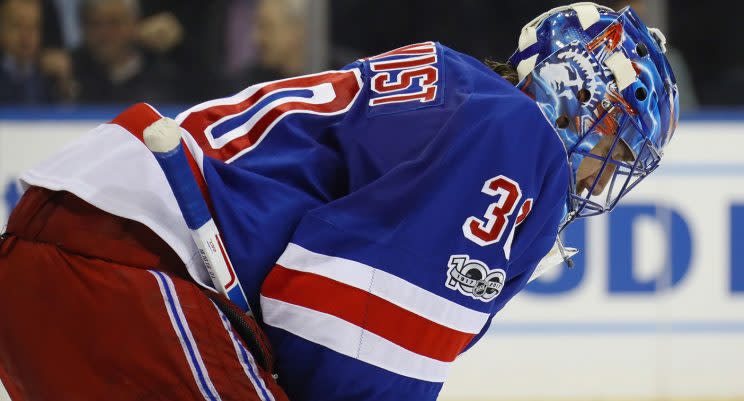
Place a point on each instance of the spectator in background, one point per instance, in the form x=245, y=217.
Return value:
x=279, y=34
x=222, y=46
x=61, y=28
x=21, y=81
x=110, y=66
x=161, y=32
x=240, y=45
x=189, y=34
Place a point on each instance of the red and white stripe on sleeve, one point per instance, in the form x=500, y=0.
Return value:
x=368, y=314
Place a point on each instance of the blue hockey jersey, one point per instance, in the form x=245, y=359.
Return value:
x=378, y=215
x=404, y=199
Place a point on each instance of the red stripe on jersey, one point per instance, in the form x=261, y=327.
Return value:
x=199, y=179
x=368, y=311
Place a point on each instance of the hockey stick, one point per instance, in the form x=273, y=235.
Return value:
x=163, y=138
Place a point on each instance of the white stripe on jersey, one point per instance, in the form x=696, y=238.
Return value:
x=386, y=286
x=351, y=340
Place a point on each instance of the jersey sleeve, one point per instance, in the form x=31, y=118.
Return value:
x=267, y=156
x=276, y=150
x=379, y=291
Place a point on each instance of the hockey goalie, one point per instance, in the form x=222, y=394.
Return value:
x=372, y=219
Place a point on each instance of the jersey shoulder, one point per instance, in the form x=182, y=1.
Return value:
x=508, y=142
x=509, y=125
x=420, y=75
x=403, y=79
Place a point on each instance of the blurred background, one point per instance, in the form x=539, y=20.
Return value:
x=80, y=52
x=653, y=308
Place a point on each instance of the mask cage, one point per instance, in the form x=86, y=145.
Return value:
x=626, y=174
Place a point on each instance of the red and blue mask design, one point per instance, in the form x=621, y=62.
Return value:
x=610, y=79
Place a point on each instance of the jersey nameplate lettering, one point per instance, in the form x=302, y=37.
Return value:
x=407, y=76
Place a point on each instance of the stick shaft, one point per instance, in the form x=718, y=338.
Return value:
x=204, y=231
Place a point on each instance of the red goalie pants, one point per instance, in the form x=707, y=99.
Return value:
x=96, y=307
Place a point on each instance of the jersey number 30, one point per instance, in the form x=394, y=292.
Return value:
x=492, y=229
x=227, y=128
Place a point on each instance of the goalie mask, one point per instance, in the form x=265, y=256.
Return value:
x=596, y=73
